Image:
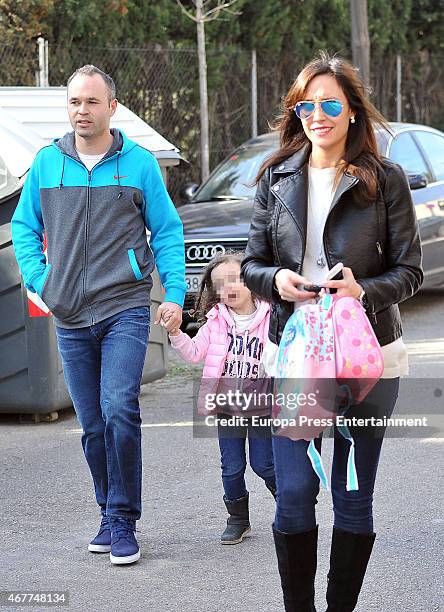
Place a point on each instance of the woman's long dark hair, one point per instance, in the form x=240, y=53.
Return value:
x=361, y=156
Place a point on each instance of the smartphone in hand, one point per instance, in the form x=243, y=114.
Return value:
x=312, y=288
x=334, y=274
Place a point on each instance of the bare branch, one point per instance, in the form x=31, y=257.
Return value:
x=186, y=11
x=231, y=12
x=219, y=8
x=211, y=14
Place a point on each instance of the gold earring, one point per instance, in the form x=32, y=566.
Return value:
x=352, y=120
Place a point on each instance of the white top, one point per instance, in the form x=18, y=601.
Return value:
x=396, y=359
x=90, y=160
x=396, y=362
x=320, y=197
x=242, y=321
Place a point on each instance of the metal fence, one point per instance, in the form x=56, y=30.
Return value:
x=160, y=84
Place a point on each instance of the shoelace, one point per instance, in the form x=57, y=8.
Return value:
x=121, y=529
x=105, y=524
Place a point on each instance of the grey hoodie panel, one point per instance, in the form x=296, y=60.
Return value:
x=64, y=221
x=91, y=264
x=116, y=226
x=100, y=260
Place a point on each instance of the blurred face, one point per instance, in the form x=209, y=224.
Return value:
x=89, y=107
x=228, y=285
x=324, y=130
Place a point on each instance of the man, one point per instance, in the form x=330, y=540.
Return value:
x=93, y=193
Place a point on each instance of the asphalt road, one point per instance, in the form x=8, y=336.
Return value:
x=48, y=512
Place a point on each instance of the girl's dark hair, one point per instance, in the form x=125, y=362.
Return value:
x=361, y=156
x=207, y=296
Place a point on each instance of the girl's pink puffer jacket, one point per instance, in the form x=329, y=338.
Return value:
x=211, y=345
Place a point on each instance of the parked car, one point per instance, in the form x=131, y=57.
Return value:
x=217, y=216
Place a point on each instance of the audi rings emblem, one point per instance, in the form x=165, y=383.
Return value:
x=204, y=252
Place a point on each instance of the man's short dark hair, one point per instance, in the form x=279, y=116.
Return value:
x=90, y=70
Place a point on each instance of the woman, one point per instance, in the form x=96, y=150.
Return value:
x=327, y=196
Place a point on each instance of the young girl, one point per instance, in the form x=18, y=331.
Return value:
x=230, y=343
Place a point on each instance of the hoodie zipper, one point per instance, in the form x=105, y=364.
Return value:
x=85, y=246
x=88, y=205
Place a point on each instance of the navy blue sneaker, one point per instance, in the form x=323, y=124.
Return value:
x=124, y=546
x=102, y=542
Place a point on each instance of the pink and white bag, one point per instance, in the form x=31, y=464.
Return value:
x=328, y=348
x=358, y=356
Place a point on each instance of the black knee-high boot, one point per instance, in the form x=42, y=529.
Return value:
x=297, y=560
x=349, y=556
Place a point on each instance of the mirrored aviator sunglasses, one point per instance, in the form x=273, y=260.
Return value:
x=332, y=108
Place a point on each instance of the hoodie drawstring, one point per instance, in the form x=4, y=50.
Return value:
x=63, y=172
x=119, y=195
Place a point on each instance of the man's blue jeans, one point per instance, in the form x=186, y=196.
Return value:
x=298, y=484
x=232, y=441
x=103, y=367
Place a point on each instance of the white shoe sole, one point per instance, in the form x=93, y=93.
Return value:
x=124, y=560
x=244, y=535
x=99, y=548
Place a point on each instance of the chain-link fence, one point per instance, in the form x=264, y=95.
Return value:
x=160, y=84
x=19, y=64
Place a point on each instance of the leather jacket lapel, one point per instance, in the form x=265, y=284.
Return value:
x=347, y=182
x=292, y=189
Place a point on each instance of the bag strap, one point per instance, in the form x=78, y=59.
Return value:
x=317, y=464
x=352, y=475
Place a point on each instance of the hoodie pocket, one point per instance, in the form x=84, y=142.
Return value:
x=134, y=265
x=40, y=285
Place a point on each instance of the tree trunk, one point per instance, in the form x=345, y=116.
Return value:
x=204, y=126
x=360, y=38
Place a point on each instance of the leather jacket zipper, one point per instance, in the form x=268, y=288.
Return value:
x=303, y=238
x=381, y=259
x=379, y=248
x=274, y=241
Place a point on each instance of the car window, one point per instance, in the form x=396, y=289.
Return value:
x=404, y=151
x=434, y=147
x=235, y=176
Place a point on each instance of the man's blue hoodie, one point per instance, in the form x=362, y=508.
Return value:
x=98, y=260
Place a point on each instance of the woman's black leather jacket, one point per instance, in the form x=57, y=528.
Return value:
x=378, y=241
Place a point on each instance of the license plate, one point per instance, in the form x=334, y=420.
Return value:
x=193, y=282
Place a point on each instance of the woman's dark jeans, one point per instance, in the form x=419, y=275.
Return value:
x=298, y=484
x=232, y=440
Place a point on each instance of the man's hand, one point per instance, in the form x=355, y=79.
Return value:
x=286, y=282
x=169, y=315
x=348, y=287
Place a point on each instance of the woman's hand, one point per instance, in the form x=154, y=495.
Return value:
x=286, y=282
x=347, y=287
